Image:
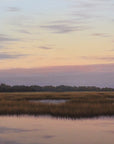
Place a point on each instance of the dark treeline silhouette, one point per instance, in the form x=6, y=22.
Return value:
x=61, y=88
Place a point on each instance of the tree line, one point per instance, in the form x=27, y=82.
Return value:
x=61, y=88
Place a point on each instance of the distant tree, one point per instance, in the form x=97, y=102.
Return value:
x=4, y=87
x=61, y=88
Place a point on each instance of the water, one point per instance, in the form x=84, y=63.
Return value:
x=50, y=101
x=48, y=130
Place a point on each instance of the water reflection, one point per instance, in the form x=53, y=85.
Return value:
x=50, y=101
x=47, y=130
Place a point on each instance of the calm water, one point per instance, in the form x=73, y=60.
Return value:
x=50, y=101
x=47, y=130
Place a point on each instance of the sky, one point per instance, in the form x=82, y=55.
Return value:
x=55, y=34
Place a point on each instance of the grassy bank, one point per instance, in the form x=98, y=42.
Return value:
x=80, y=104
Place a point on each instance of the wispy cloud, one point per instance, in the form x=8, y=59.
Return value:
x=45, y=47
x=4, y=38
x=88, y=11
x=111, y=50
x=101, y=34
x=10, y=56
x=24, y=31
x=104, y=58
x=79, y=18
x=13, y=9
x=63, y=28
x=1, y=46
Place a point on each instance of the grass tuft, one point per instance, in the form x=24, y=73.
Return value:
x=80, y=104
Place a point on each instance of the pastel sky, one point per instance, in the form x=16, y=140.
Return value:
x=39, y=33
x=47, y=33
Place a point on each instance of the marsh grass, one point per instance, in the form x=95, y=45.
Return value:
x=80, y=104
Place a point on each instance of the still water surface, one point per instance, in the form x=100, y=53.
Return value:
x=49, y=101
x=48, y=130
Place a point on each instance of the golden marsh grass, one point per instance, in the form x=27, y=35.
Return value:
x=80, y=104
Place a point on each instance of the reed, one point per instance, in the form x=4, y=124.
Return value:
x=80, y=104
